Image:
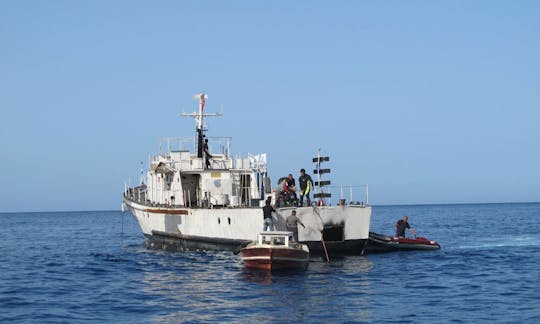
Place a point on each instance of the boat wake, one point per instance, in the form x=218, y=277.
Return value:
x=503, y=241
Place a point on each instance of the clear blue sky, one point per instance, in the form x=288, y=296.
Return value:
x=426, y=101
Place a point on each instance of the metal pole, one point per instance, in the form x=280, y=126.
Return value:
x=319, y=173
x=367, y=195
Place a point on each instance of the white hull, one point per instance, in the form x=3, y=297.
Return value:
x=239, y=225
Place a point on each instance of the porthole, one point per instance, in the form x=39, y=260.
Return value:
x=229, y=219
x=219, y=221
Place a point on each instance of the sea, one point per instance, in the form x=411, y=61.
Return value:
x=92, y=267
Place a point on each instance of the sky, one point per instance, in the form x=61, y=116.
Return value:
x=425, y=101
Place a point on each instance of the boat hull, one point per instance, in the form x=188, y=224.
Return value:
x=179, y=243
x=275, y=258
x=347, y=247
x=345, y=229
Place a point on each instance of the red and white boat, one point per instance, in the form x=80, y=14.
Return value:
x=275, y=250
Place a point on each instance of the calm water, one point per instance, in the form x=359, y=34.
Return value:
x=77, y=267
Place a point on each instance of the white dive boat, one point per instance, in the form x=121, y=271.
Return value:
x=183, y=205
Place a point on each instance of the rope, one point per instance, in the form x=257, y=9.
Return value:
x=322, y=237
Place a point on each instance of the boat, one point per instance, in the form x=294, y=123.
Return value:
x=275, y=251
x=385, y=243
x=180, y=203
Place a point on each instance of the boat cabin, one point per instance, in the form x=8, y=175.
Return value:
x=179, y=178
x=275, y=238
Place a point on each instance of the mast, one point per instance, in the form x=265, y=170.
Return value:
x=141, y=179
x=321, y=183
x=199, y=116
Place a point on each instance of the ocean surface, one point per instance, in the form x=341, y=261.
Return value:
x=84, y=267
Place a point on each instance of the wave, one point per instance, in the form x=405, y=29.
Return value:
x=504, y=241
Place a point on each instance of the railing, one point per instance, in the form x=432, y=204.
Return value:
x=141, y=195
x=341, y=195
x=332, y=195
x=347, y=194
x=189, y=143
x=137, y=194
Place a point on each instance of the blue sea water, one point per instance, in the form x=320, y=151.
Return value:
x=92, y=267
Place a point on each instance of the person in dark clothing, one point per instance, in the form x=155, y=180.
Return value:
x=305, y=187
x=207, y=155
x=291, y=223
x=401, y=225
x=289, y=187
x=290, y=184
x=267, y=213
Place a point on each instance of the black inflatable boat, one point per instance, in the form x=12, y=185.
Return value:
x=385, y=243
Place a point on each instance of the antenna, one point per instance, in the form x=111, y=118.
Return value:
x=199, y=116
x=141, y=181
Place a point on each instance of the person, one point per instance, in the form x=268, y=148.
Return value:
x=291, y=223
x=403, y=224
x=267, y=213
x=306, y=183
x=207, y=155
x=289, y=186
x=280, y=195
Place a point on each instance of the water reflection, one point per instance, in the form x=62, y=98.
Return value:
x=205, y=286
x=348, y=265
x=258, y=276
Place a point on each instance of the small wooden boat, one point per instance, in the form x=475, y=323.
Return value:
x=384, y=243
x=275, y=250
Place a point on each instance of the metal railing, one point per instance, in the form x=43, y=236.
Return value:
x=137, y=194
x=347, y=194
x=189, y=143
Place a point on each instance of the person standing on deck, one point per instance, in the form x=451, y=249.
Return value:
x=305, y=187
x=403, y=224
x=207, y=155
x=291, y=222
x=267, y=213
x=290, y=189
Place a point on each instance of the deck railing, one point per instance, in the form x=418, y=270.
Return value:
x=349, y=194
x=220, y=145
